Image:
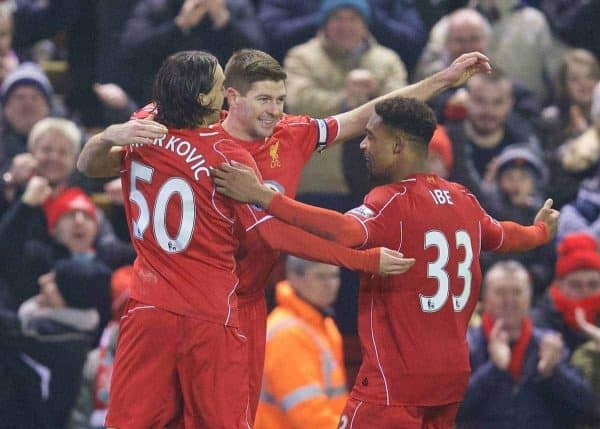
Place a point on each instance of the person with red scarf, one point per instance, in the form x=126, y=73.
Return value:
x=520, y=377
x=576, y=285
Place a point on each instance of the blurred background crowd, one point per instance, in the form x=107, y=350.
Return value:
x=527, y=132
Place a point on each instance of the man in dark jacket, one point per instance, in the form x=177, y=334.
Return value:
x=520, y=377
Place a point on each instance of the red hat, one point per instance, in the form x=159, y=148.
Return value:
x=70, y=199
x=441, y=145
x=578, y=251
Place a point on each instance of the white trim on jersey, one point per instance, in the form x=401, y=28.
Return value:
x=363, y=223
x=141, y=307
x=229, y=297
x=258, y=222
x=491, y=218
x=387, y=394
x=360, y=403
x=401, y=235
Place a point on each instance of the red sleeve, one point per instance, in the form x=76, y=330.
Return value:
x=312, y=134
x=328, y=224
x=519, y=238
x=286, y=238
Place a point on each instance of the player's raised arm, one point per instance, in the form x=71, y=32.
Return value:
x=353, y=122
x=508, y=237
x=241, y=183
x=101, y=155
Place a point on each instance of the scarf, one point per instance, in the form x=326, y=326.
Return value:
x=517, y=350
x=566, y=307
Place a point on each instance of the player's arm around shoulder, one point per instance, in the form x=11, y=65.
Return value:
x=101, y=155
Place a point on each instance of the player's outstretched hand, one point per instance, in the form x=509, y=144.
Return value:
x=549, y=216
x=240, y=182
x=466, y=66
x=135, y=131
x=392, y=262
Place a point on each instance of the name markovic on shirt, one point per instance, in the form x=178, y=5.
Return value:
x=186, y=151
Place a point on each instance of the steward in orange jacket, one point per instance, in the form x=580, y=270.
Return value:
x=304, y=383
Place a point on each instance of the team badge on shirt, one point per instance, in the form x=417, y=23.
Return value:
x=274, y=154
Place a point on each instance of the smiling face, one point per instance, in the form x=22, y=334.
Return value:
x=261, y=108
x=55, y=155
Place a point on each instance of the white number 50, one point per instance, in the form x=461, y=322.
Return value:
x=174, y=185
x=437, y=270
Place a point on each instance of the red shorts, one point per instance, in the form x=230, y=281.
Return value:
x=253, y=325
x=361, y=415
x=175, y=371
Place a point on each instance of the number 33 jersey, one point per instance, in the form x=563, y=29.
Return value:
x=181, y=229
x=413, y=326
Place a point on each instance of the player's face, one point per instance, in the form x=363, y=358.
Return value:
x=489, y=105
x=580, y=284
x=580, y=84
x=262, y=107
x=319, y=284
x=378, y=149
x=76, y=230
x=345, y=28
x=55, y=156
x=507, y=297
x=216, y=95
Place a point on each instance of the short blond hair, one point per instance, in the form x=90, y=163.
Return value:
x=63, y=126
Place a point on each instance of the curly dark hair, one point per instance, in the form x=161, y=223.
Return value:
x=179, y=82
x=247, y=66
x=409, y=116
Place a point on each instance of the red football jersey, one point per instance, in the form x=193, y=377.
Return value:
x=280, y=159
x=181, y=229
x=413, y=326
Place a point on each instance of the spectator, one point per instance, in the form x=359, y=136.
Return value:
x=587, y=359
x=53, y=147
x=46, y=277
x=304, y=384
x=569, y=117
x=521, y=378
x=92, y=402
x=489, y=126
x=582, y=214
x=576, y=285
x=158, y=28
x=26, y=96
x=580, y=155
x=338, y=70
x=466, y=31
x=8, y=59
x=397, y=25
x=515, y=191
x=91, y=31
x=521, y=42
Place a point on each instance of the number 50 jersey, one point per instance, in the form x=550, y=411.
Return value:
x=413, y=326
x=181, y=229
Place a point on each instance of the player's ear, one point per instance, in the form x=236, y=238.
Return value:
x=399, y=143
x=232, y=95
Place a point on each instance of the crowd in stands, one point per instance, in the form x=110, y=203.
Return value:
x=527, y=132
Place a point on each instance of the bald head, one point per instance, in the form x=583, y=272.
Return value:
x=467, y=31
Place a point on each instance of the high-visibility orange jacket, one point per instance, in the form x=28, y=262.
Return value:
x=304, y=384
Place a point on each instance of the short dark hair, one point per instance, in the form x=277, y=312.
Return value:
x=409, y=116
x=247, y=66
x=181, y=79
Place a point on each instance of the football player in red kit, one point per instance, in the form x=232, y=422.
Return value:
x=181, y=358
x=412, y=327
x=281, y=145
